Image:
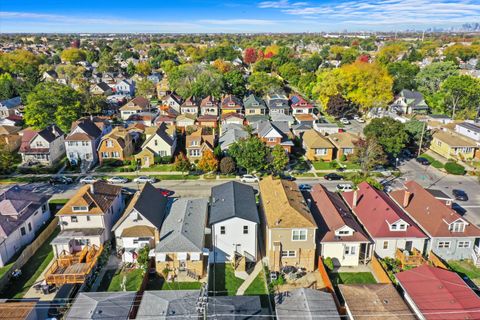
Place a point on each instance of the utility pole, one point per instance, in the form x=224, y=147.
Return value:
x=421, y=139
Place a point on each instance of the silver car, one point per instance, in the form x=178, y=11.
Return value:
x=117, y=180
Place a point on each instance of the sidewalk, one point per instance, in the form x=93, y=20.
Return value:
x=443, y=160
x=251, y=277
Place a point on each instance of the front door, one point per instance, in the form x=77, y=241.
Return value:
x=408, y=246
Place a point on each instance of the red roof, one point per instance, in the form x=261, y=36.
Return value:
x=376, y=211
x=440, y=294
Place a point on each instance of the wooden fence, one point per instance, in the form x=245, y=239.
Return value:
x=380, y=273
x=329, y=286
x=29, y=251
x=437, y=261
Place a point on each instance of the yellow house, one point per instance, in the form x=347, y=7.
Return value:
x=317, y=146
x=344, y=143
x=453, y=146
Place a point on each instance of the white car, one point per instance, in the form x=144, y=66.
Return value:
x=117, y=180
x=359, y=119
x=144, y=179
x=249, y=178
x=88, y=179
x=344, y=121
x=344, y=187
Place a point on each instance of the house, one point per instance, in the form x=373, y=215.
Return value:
x=163, y=87
x=46, y=146
x=235, y=307
x=183, y=121
x=469, y=130
x=10, y=107
x=22, y=214
x=103, y=305
x=231, y=134
x=385, y=222
x=209, y=106
x=451, y=145
x=19, y=310
x=50, y=75
x=207, y=121
x=452, y=237
x=160, y=141
x=231, y=103
x=305, y=303
x=254, y=105
x=181, y=248
x=340, y=236
x=317, y=147
x=134, y=106
x=325, y=127
x=174, y=101
x=125, y=87
x=344, y=143
x=168, y=304
x=140, y=224
x=280, y=117
x=438, y=294
x=290, y=229
x=278, y=104
x=117, y=145
x=251, y=119
x=10, y=139
x=409, y=102
x=306, y=119
x=145, y=118
x=101, y=88
x=377, y=301
x=274, y=133
x=299, y=105
x=82, y=142
x=234, y=222
x=232, y=118
x=190, y=106
x=197, y=142
x=155, y=77
x=88, y=217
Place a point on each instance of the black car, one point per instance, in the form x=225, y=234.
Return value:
x=333, y=176
x=459, y=195
x=423, y=161
x=287, y=177
x=61, y=180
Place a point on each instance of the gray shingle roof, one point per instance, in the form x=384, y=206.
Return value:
x=231, y=133
x=164, y=304
x=102, y=305
x=162, y=133
x=254, y=102
x=305, y=304
x=152, y=204
x=234, y=308
x=51, y=133
x=184, y=227
x=233, y=199
x=470, y=126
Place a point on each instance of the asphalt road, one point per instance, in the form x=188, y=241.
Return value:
x=354, y=127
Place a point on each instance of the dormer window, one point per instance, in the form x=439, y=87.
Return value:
x=231, y=104
x=39, y=144
x=109, y=143
x=79, y=208
x=398, y=226
x=458, y=226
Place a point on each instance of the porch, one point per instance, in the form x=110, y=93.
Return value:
x=476, y=256
x=412, y=258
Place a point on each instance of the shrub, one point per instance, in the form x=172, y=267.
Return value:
x=112, y=163
x=454, y=168
x=328, y=262
x=227, y=165
x=343, y=158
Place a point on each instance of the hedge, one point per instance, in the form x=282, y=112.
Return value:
x=454, y=168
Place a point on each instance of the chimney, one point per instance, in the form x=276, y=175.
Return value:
x=406, y=198
x=92, y=188
x=355, y=198
x=54, y=131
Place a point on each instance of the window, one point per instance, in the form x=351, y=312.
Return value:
x=299, y=235
x=156, y=142
x=343, y=232
x=29, y=227
x=115, y=154
x=321, y=152
x=463, y=244
x=104, y=154
x=350, y=250
x=85, y=143
x=402, y=226
x=347, y=150
x=73, y=219
x=271, y=139
x=79, y=208
x=22, y=231
x=443, y=245
x=394, y=227
x=39, y=144
x=109, y=143
x=44, y=208
x=385, y=245
x=88, y=218
x=194, y=143
x=457, y=227
x=195, y=153
x=289, y=254
x=245, y=229
x=222, y=230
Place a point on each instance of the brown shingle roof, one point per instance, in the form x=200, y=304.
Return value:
x=138, y=231
x=343, y=139
x=313, y=140
x=284, y=205
x=16, y=310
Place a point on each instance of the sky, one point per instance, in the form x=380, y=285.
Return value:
x=208, y=16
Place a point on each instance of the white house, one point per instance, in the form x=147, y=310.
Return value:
x=234, y=221
x=134, y=106
x=469, y=130
x=173, y=101
x=22, y=214
x=9, y=107
x=82, y=142
x=126, y=87
x=45, y=147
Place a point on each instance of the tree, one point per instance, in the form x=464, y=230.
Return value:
x=227, y=165
x=66, y=114
x=368, y=154
x=73, y=55
x=430, y=77
x=462, y=95
x=403, y=74
x=234, y=83
x=391, y=53
x=182, y=163
x=196, y=80
x=7, y=160
x=250, y=55
x=290, y=72
x=250, y=153
x=107, y=63
x=131, y=70
x=94, y=104
x=19, y=62
x=262, y=83
x=414, y=129
x=143, y=68
x=145, y=88
x=208, y=162
x=279, y=159
x=222, y=65
x=7, y=86
x=389, y=133
x=143, y=257
x=339, y=107
x=312, y=63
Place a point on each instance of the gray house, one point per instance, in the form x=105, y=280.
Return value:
x=451, y=235
x=305, y=303
x=102, y=305
x=169, y=304
x=411, y=102
x=231, y=133
x=254, y=105
x=278, y=104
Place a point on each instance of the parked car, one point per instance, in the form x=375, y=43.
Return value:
x=423, y=161
x=60, y=180
x=333, y=176
x=144, y=179
x=344, y=187
x=359, y=119
x=117, y=180
x=166, y=193
x=460, y=195
x=305, y=187
x=288, y=177
x=88, y=179
x=344, y=121
x=249, y=178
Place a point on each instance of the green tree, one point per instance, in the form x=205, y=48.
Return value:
x=403, y=74
x=234, y=83
x=7, y=86
x=143, y=257
x=131, y=69
x=430, y=77
x=461, y=95
x=92, y=56
x=279, y=159
x=262, y=83
x=182, y=163
x=414, y=129
x=196, y=80
x=391, y=53
x=144, y=68
x=107, y=63
x=368, y=154
x=250, y=153
x=73, y=55
x=389, y=133
x=7, y=160
x=19, y=62
x=290, y=72
x=145, y=88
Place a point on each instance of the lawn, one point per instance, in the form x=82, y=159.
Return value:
x=258, y=286
x=175, y=177
x=433, y=162
x=182, y=285
x=305, y=175
x=159, y=168
x=322, y=165
x=56, y=203
x=133, y=280
x=31, y=270
x=349, y=165
x=465, y=268
x=352, y=278
x=222, y=280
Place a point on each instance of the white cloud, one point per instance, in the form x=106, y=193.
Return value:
x=245, y=22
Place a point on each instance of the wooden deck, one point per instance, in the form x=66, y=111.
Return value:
x=410, y=259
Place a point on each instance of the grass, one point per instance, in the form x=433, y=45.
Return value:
x=5, y=268
x=258, y=286
x=465, y=268
x=305, y=175
x=159, y=168
x=175, y=177
x=23, y=179
x=433, y=162
x=322, y=165
x=31, y=270
x=210, y=176
x=182, y=285
x=349, y=165
x=222, y=280
x=352, y=278
x=133, y=280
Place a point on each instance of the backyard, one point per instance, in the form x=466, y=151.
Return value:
x=466, y=268
x=127, y=280
x=156, y=282
x=222, y=280
x=352, y=278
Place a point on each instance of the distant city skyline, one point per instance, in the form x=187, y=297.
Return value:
x=195, y=16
